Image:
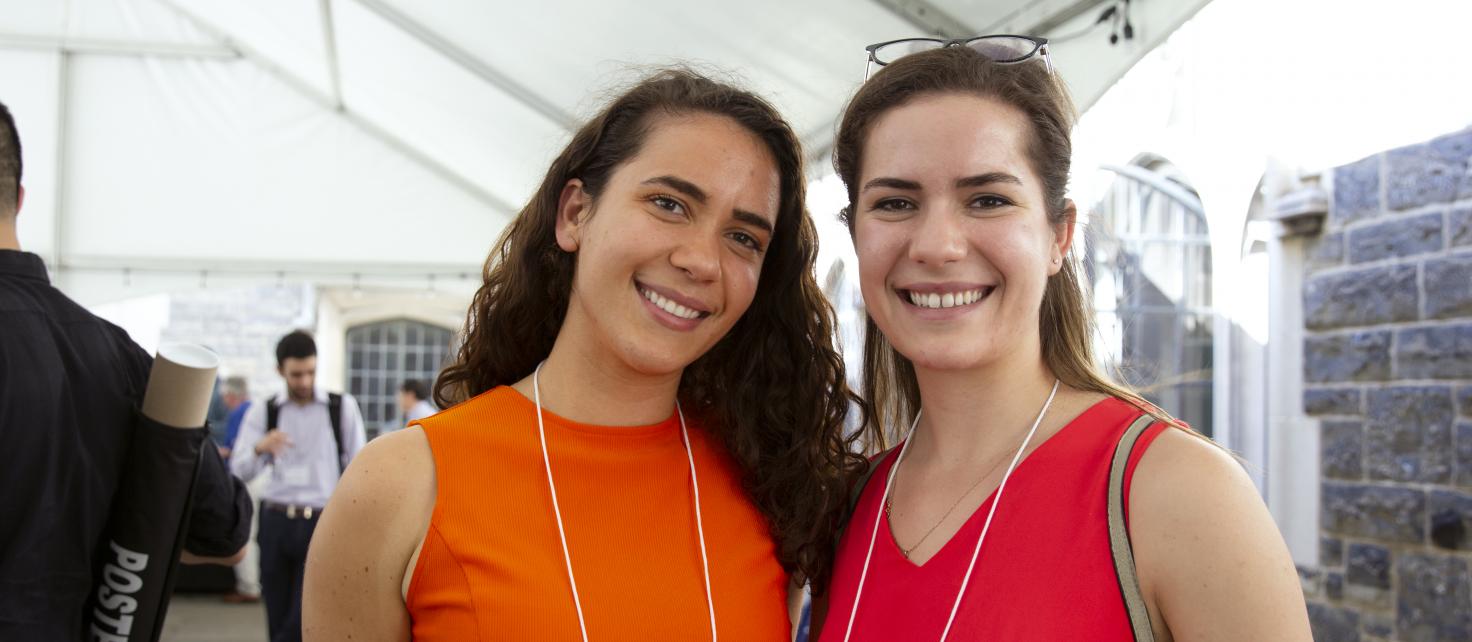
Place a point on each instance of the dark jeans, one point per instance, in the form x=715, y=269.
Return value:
x=283, y=542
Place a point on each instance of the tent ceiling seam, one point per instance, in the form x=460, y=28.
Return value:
x=269, y=267
x=304, y=88
x=329, y=48
x=927, y=17
x=63, y=109
x=1059, y=18
x=471, y=63
x=113, y=47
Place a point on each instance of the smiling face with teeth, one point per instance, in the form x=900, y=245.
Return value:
x=953, y=239
x=669, y=254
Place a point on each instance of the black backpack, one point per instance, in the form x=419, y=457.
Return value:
x=334, y=414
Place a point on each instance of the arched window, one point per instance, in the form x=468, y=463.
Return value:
x=1150, y=263
x=381, y=356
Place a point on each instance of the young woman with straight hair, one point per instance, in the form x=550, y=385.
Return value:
x=644, y=429
x=990, y=520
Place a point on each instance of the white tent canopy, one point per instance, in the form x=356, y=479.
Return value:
x=178, y=141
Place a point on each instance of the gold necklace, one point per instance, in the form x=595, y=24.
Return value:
x=889, y=507
x=985, y=526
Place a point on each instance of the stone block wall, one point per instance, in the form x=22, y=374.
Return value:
x=1388, y=372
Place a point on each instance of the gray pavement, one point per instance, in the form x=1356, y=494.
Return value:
x=204, y=618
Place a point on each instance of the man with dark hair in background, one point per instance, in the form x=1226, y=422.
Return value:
x=70, y=386
x=307, y=439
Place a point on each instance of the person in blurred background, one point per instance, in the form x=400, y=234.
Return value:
x=306, y=439
x=235, y=398
x=414, y=401
x=218, y=417
x=650, y=333
x=235, y=392
x=70, y=387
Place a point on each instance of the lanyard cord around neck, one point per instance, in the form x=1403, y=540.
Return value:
x=889, y=482
x=562, y=532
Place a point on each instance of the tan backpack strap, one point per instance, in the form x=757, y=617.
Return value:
x=1119, y=535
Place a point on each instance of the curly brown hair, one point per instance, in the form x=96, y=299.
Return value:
x=772, y=390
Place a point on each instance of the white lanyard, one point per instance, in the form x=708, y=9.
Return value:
x=562, y=533
x=883, y=499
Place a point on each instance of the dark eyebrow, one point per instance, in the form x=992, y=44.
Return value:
x=690, y=189
x=755, y=220
x=680, y=185
x=896, y=183
x=982, y=180
x=892, y=183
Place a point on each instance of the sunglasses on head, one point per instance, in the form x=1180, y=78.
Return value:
x=1002, y=49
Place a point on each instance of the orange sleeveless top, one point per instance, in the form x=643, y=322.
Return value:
x=491, y=567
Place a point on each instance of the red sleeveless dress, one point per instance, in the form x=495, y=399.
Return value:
x=1045, y=571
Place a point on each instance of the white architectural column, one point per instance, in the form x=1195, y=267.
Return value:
x=1293, y=436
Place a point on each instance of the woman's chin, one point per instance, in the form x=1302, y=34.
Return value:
x=655, y=362
x=943, y=358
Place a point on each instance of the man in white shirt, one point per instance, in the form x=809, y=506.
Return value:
x=414, y=401
x=314, y=436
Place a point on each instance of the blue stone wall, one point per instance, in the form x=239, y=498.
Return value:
x=1388, y=371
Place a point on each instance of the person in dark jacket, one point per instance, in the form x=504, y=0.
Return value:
x=70, y=387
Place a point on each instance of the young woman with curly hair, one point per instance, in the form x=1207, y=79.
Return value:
x=644, y=427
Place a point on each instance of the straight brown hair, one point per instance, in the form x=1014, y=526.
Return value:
x=1066, y=320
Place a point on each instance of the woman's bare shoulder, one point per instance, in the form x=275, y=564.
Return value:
x=389, y=486
x=1207, y=548
x=403, y=457
x=352, y=584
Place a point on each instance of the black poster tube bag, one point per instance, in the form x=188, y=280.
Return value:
x=149, y=515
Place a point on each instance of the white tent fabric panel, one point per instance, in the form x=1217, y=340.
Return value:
x=32, y=17
x=129, y=20
x=807, y=57
x=481, y=133
x=28, y=86
x=288, y=33
x=194, y=160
